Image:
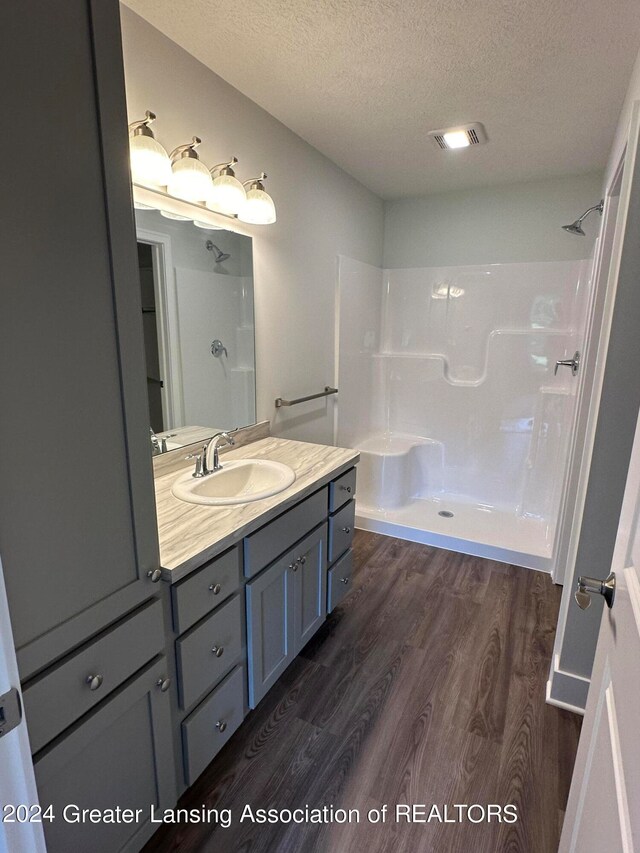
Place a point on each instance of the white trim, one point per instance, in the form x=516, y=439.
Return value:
x=558, y=703
x=168, y=325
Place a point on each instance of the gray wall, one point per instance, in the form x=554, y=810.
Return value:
x=322, y=212
x=501, y=224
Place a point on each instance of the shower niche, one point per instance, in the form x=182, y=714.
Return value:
x=447, y=388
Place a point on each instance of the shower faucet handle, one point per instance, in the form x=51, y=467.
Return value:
x=573, y=363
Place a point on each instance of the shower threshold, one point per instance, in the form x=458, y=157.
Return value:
x=465, y=527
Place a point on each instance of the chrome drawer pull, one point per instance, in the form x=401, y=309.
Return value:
x=94, y=681
x=344, y=580
x=154, y=575
x=221, y=726
x=218, y=650
x=163, y=684
x=346, y=489
x=293, y=567
x=346, y=530
x=301, y=560
x=215, y=588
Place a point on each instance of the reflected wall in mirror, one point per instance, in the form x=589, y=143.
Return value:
x=198, y=320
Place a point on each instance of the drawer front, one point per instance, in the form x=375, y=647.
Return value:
x=121, y=754
x=209, y=727
x=341, y=530
x=342, y=490
x=205, y=589
x=208, y=651
x=265, y=545
x=61, y=696
x=339, y=580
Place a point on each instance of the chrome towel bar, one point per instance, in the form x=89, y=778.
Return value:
x=328, y=391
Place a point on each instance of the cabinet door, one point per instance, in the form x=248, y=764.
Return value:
x=270, y=639
x=77, y=520
x=310, y=587
x=122, y=755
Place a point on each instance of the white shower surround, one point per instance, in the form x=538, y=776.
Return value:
x=447, y=388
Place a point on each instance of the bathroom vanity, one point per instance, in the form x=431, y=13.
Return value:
x=247, y=586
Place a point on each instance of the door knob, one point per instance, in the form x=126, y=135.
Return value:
x=573, y=363
x=605, y=588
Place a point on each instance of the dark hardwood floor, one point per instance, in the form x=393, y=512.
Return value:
x=427, y=686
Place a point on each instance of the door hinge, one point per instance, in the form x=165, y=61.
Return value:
x=10, y=711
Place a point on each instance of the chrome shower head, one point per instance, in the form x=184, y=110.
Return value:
x=220, y=256
x=576, y=227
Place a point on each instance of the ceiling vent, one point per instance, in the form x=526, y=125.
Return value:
x=459, y=137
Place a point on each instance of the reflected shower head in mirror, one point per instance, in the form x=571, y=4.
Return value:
x=220, y=256
x=576, y=227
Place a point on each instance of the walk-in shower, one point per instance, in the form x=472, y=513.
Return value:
x=447, y=388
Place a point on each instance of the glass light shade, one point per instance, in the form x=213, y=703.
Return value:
x=206, y=226
x=150, y=163
x=227, y=196
x=258, y=209
x=168, y=215
x=190, y=180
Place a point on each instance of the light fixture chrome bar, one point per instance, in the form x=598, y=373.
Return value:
x=328, y=391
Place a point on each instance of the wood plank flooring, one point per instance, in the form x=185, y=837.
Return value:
x=426, y=686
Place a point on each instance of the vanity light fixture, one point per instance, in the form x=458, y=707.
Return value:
x=190, y=179
x=228, y=194
x=169, y=215
x=259, y=208
x=207, y=226
x=150, y=163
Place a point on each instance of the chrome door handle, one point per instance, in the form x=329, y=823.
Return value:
x=605, y=588
x=573, y=363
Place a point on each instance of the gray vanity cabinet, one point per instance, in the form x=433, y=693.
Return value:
x=118, y=756
x=270, y=626
x=286, y=604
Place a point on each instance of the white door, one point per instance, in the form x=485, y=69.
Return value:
x=603, y=812
x=20, y=831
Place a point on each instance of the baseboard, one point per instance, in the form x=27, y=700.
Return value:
x=567, y=690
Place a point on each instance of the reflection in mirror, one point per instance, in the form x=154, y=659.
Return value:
x=197, y=312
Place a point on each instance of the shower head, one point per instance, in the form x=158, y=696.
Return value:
x=576, y=227
x=220, y=256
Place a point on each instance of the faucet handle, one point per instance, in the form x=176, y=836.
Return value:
x=200, y=466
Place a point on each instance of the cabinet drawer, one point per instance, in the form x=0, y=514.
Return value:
x=205, y=589
x=339, y=580
x=341, y=530
x=208, y=651
x=266, y=544
x=210, y=726
x=342, y=490
x=61, y=696
x=122, y=754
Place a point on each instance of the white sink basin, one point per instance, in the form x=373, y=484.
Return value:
x=238, y=482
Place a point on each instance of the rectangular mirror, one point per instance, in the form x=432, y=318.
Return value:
x=197, y=312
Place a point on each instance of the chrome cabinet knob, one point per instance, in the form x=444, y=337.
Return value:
x=154, y=575
x=344, y=580
x=221, y=726
x=606, y=588
x=94, y=681
x=215, y=588
x=293, y=567
x=346, y=530
x=301, y=560
x=164, y=684
x=346, y=489
x=218, y=651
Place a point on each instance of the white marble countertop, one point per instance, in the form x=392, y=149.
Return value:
x=191, y=534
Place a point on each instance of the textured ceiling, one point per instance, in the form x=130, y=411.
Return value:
x=364, y=80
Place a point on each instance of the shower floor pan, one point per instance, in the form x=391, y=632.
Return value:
x=393, y=469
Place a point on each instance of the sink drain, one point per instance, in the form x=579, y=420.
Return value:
x=445, y=513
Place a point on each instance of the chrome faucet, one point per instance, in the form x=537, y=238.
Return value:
x=211, y=456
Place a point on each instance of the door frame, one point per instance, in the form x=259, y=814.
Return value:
x=164, y=284
x=17, y=780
